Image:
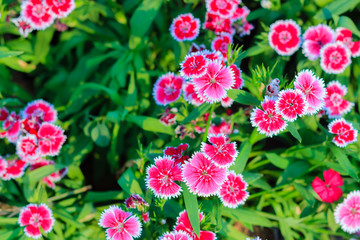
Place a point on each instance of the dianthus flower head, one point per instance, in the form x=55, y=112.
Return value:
x=335, y=57
x=12, y=127
x=218, y=24
x=185, y=27
x=202, y=176
x=60, y=8
x=223, y=8
x=176, y=153
x=4, y=113
x=175, y=235
x=168, y=118
x=313, y=88
x=290, y=104
x=212, y=86
x=50, y=139
x=267, y=120
x=15, y=169
x=226, y=102
x=221, y=43
x=34, y=216
x=335, y=105
x=239, y=82
x=120, y=225
x=222, y=128
x=196, y=48
x=134, y=201
x=27, y=148
x=194, y=65
x=167, y=88
x=328, y=190
x=41, y=111
x=284, y=37
x=347, y=213
x=161, y=177
x=3, y=166
x=183, y=224
x=345, y=132
x=344, y=35
x=23, y=25
x=37, y=14
x=220, y=151
x=240, y=13
x=315, y=38
x=245, y=28
x=54, y=177
x=190, y=94
x=233, y=191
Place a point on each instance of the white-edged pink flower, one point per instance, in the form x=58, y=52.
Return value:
x=226, y=102
x=23, y=25
x=239, y=82
x=37, y=14
x=167, y=88
x=194, y=65
x=313, y=88
x=347, y=213
x=222, y=153
x=202, y=176
x=218, y=24
x=185, y=27
x=175, y=235
x=240, y=13
x=335, y=105
x=221, y=43
x=161, y=177
x=224, y=127
x=233, y=191
x=223, y=8
x=34, y=216
x=291, y=104
x=284, y=37
x=54, y=177
x=60, y=8
x=120, y=225
x=145, y=217
x=190, y=94
x=40, y=110
x=245, y=28
x=12, y=127
x=267, y=121
x=345, y=132
x=315, y=38
x=27, y=148
x=212, y=86
x=344, y=35
x=15, y=169
x=335, y=57
x=50, y=139
x=3, y=166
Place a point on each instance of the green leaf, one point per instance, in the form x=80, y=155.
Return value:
x=294, y=170
x=197, y=112
x=66, y=217
x=331, y=221
x=100, y=134
x=7, y=220
x=346, y=22
x=38, y=174
x=344, y=161
x=7, y=53
x=244, y=152
x=104, y=196
x=294, y=132
x=278, y=161
x=243, y=97
x=305, y=193
x=42, y=45
x=247, y=216
x=337, y=7
x=150, y=124
x=129, y=183
x=285, y=229
x=192, y=209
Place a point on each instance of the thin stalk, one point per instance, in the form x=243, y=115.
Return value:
x=208, y=122
x=67, y=194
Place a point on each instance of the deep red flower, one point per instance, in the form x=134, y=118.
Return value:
x=4, y=113
x=176, y=153
x=168, y=118
x=328, y=190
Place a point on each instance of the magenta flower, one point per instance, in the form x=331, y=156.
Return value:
x=190, y=94
x=202, y=176
x=185, y=27
x=328, y=190
x=221, y=43
x=54, y=177
x=335, y=57
x=167, y=88
x=335, y=105
x=223, y=8
x=233, y=191
x=345, y=132
x=161, y=177
x=27, y=148
x=347, y=213
x=120, y=225
x=240, y=13
x=176, y=153
x=37, y=14
x=41, y=111
x=239, y=82
x=60, y=8
x=145, y=217
x=218, y=24
x=50, y=139
x=176, y=235
x=33, y=216
x=222, y=153
x=315, y=38
x=194, y=65
x=223, y=128
x=15, y=169
x=313, y=88
x=290, y=104
x=344, y=35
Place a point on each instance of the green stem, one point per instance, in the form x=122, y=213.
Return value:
x=67, y=194
x=208, y=122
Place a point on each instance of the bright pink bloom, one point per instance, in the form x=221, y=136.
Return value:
x=224, y=128
x=213, y=85
x=37, y=13
x=27, y=148
x=335, y=57
x=222, y=153
x=328, y=190
x=290, y=104
x=245, y=28
x=23, y=25
x=33, y=216
x=267, y=120
x=315, y=38
x=284, y=37
x=60, y=8
x=345, y=132
x=168, y=118
x=233, y=191
x=183, y=224
x=12, y=127
x=175, y=236
x=221, y=43
x=135, y=201
x=214, y=56
x=167, y=88
x=347, y=213
x=176, y=153
x=345, y=36
x=185, y=27
x=15, y=169
x=40, y=110
x=4, y=113
x=54, y=177
x=145, y=217
x=202, y=175
x=218, y=24
x=120, y=225
x=313, y=88
x=226, y=102
x=3, y=166
x=240, y=13
x=335, y=105
x=196, y=48
x=239, y=82
x=194, y=65
x=190, y=94
x=223, y=8
x=161, y=177
x=50, y=139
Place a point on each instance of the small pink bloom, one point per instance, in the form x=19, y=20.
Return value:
x=223, y=128
x=239, y=82
x=60, y=8
x=202, y=176
x=345, y=133
x=168, y=118
x=194, y=65
x=345, y=36
x=4, y=113
x=50, y=139
x=218, y=24
x=23, y=25
x=135, y=201
x=328, y=190
x=347, y=213
x=3, y=166
x=213, y=56
x=233, y=191
x=190, y=94
x=315, y=38
x=240, y=13
x=223, y=8
x=290, y=104
x=27, y=148
x=145, y=217
x=161, y=177
x=167, y=88
x=12, y=126
x=40, y=110
x=176, y=153
x=213, y=85
x=284, y=37
x=54, y=177
x=221, y=43
x=313, y=88
x=185, y=27
x=335, y=57
x=175, y=236
x=33, y=216
x=267, y=120
x=226, y=102
x=120, y=225
x=222, y=153
x=335, y=105
x=37, y=14
x=15, y=169
x=246, y=28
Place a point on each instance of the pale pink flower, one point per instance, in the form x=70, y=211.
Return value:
x=347, y=213
x=335, y=105
x=27, y=148
x=233, y=191
x=3, y=165
x=315, y=38
x=175, y=235
x=50, y=139
x=23, y=25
